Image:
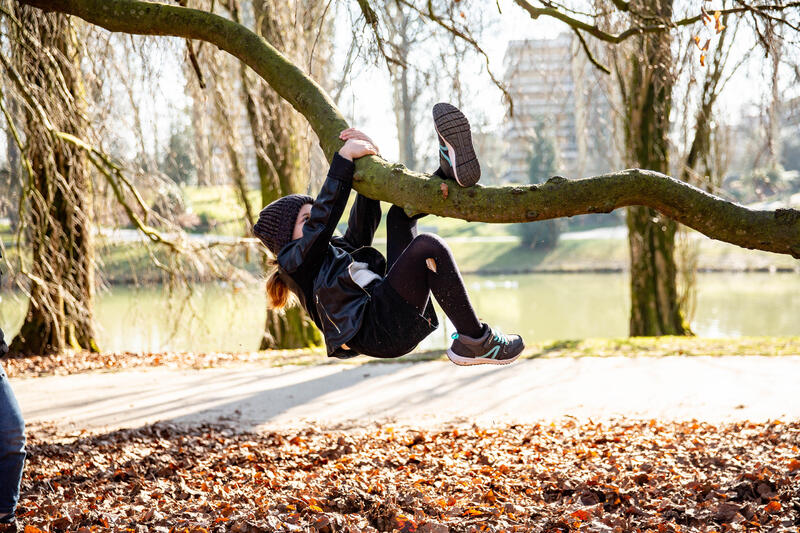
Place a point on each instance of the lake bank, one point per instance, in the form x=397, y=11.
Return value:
x=541, y=307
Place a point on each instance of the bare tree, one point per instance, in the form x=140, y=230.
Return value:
x=405, y=34
x=282, y=145
x=45, y=67
x=57, y=155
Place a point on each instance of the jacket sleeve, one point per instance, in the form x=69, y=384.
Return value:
x=365, y=215
x=325, y=214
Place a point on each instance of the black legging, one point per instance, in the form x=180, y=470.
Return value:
x=411, y=277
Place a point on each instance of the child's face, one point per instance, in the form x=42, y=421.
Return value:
x=302, y=216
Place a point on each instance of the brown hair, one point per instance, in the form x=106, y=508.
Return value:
x=278, y=292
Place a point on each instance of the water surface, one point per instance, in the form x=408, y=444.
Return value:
x=539, y=306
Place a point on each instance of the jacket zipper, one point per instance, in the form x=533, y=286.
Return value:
x=325, y=312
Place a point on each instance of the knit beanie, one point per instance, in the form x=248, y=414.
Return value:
x=276, y=221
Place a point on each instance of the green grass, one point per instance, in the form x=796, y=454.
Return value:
x=666, y=346
x=220, y=204
x=567, y=256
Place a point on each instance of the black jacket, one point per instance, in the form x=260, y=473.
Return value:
x=316, y=266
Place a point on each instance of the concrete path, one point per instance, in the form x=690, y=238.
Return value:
x=421, y=394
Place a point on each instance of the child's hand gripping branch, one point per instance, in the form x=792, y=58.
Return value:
x=365, y=303
x=357, y=144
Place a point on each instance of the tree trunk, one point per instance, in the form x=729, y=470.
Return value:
x=282, y=161
x=404, y=96
x=60, y=312
x=651, y=236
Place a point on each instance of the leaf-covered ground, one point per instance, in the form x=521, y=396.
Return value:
x=569, y=476
x=73, y=363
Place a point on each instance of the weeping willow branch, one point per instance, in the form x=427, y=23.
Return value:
x=775, y=231
x=28, y=170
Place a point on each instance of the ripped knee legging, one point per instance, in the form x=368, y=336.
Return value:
x=414, y=277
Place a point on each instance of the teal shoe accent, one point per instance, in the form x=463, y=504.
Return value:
x=491, y=354
x=443, y=150
x=500, y=337
x=454, y=336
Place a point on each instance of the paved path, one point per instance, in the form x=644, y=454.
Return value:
x=430, y=393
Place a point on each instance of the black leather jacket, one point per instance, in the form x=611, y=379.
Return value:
x=316, y=266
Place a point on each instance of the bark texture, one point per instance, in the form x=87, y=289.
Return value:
x=282, y=156
x=776, y=231
x=58, y=215
x=655, y=308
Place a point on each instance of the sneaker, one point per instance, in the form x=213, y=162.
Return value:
x=456, y=154
x=493, y=348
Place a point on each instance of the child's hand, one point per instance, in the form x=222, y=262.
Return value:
x=357, y=144
x=352, y=133
x=355, y=148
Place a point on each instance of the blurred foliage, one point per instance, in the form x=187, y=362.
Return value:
x=790, y=156
x=762, y=184
x=179, y=161
x=542, y=164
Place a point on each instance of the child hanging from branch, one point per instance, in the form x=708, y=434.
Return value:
x=362, y=302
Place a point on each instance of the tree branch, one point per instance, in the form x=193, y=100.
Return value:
x=775, y=231
x=589, y=53
x=536, y=12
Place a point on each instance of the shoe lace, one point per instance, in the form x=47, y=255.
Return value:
x=500, y=337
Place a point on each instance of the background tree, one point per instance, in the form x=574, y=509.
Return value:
x=64, y=174
x=45, y=66
x=178, y=161
x=639, y=34
x=646, y=78
x=542, y=164
x=406, y=34
x=282, y=143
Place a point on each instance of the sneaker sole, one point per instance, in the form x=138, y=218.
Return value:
x=453, y=127
x=470, y=361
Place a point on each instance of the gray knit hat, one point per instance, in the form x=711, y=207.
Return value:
x=276, y=221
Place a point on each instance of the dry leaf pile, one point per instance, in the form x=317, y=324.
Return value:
x=79, y=362
x=569, y=476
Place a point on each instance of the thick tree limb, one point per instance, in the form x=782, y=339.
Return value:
x=775, y=231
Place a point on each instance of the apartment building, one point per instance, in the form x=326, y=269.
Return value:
x=555, y=87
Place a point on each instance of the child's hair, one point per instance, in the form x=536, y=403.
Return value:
x=278, y=292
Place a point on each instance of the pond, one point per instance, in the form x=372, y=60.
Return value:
x=538, y=306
